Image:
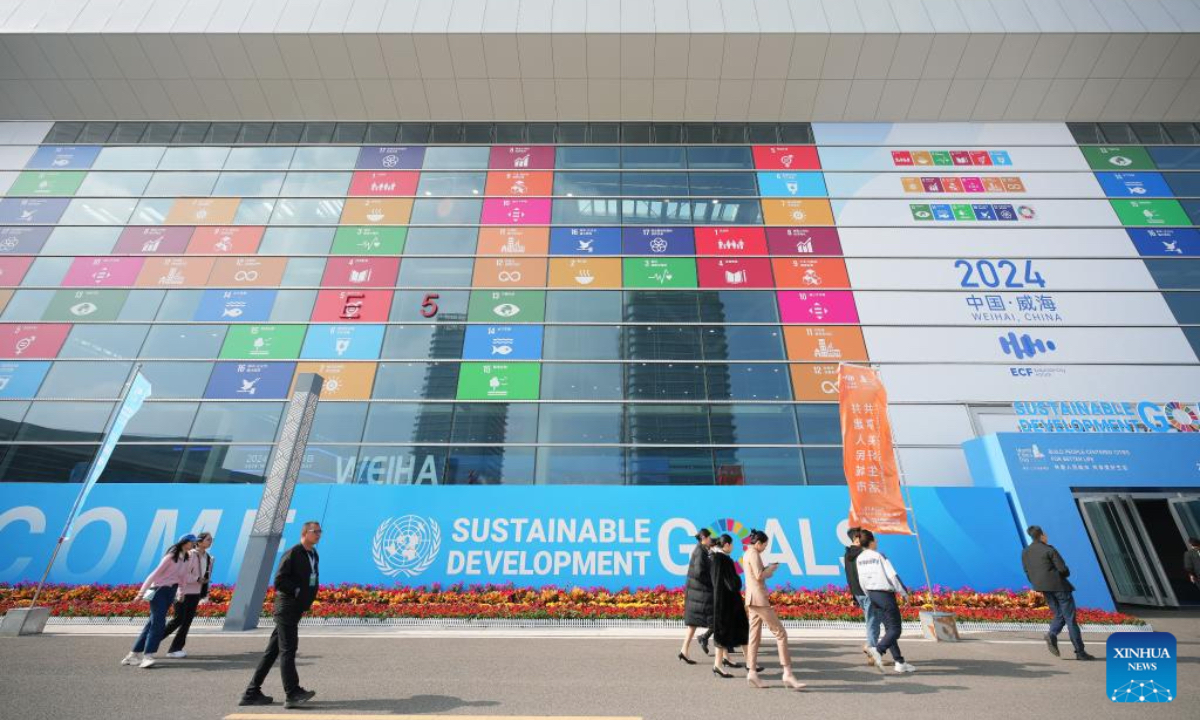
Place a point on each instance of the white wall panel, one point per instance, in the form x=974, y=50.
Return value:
x=1033, y=307
x=905, y=274
x=1028, y=345
x=935, y=466
x=893, y=185
x=1021, y=381
x=14, y=157
x=945, y=240
x=881, y=159
x=930, y=424
x=1028, y=213
x=7, y=178
x=942, y=134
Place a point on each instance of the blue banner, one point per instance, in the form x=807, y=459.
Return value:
x=135, y=396
x=530, y=536
x=585, y=241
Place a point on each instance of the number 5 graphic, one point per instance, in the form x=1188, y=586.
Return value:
x=429, y=308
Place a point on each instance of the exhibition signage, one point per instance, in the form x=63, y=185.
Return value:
x=876, y=502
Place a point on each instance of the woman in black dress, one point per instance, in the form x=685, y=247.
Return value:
x=731, y=628
x=698, y=596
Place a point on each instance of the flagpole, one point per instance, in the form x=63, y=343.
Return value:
x=83, y=489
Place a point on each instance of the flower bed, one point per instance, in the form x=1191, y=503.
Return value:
x=507, y=602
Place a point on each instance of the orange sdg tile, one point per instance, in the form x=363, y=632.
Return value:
x=203, y=211
x=343, y=381
x=585, y=272
x=830, y=343
x=509, y=272
x=814, y=382
x=514, y=241
x=376, y=211
x=168, y=272
x=810, y=273
x=806, y=212
x=248, y=272
x=518, y=184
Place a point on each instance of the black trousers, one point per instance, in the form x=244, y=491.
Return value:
x=285, y=638
x=185, y=612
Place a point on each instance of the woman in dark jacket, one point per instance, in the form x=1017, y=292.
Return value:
x=731, y=628
x=698, y=596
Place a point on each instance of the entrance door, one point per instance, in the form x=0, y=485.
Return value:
x=1121, y=546
x=1186, y=510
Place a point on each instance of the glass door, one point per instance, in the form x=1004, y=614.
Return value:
x=1186, y=510
x=1119, y=547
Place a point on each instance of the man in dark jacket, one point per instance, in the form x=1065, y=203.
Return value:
x=860, y=596
x=1191, y=561
x=1047, y=574
x=296, y=584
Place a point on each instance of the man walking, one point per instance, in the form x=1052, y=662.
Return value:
x=1191, y=561
x=296, y=584
x=1047, y=574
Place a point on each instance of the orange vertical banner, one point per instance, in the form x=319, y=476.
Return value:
x=876, y=502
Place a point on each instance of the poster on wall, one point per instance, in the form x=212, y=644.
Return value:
x=937, y=382
x=949, y=240
x=1028, y=345
x=941, y=158
x=1033, y=307
x=998, y=273
x=930, y=212
x=933, y=187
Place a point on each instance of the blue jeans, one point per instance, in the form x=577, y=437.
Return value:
x=889, y=613
x=152, y=633
x=872, y=619
x=1062, y=604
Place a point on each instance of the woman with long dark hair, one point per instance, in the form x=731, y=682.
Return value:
x=159, y=588
x=698, y=596
x=758, y=607
x=731, y=629
x=192, y=592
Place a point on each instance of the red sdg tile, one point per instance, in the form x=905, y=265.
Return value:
x=392, y=183
x=734, y=273
x=12, y=269
x=521, y=157
x=352, y=306
x=804, y=241
x=730, y=241
x=361, y=272
x=32, y=342
x=786, y=157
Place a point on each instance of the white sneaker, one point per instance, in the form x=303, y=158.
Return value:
x=132, y=659
x=147, y=661
x=177, y=654
x=876, y=658
x=903, y=667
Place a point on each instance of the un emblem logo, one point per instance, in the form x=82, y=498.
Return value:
x=406, y=545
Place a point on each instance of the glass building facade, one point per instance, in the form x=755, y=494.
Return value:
x=572, y=303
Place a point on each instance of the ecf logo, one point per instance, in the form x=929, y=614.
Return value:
x=1141, y=667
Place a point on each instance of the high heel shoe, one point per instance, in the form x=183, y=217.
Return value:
x=686, y=659
x=704, y=645
x=728, y=664
x=753, y=681
x=790, y=681
x=721, y=673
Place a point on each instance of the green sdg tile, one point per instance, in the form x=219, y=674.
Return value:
x=47, y=183
x=660, y=272
x=355, y=240
x=507, y=305
x=1118, y=158
x=1150, y=212
x=499, y=381
x=263, y=342
x=920, y=212
x=86, y=305
x=963, y=212
x=942, y=157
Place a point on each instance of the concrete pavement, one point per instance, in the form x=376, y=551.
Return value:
x=74, y=673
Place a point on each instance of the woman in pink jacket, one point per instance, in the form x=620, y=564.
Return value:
x=160, y=589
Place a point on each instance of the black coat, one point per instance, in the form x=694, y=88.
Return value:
x=294, y=594
x=698, y=597
x=731, y=627
x=1045, y=568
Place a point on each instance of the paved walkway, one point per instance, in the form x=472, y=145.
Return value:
x=73, y=672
